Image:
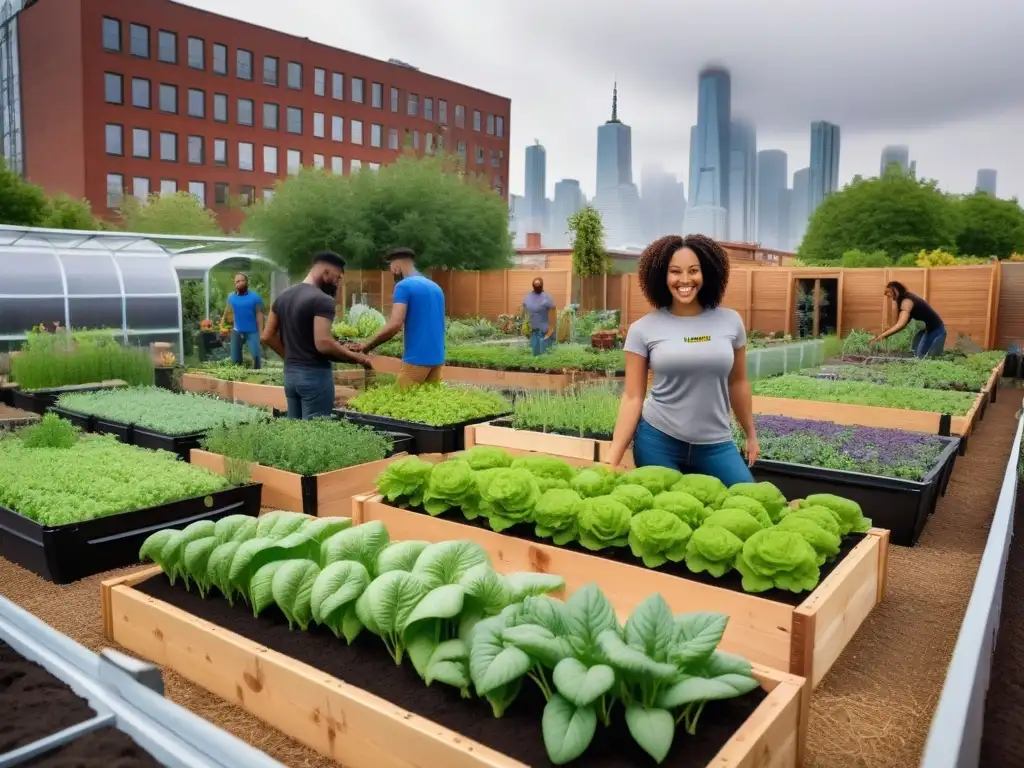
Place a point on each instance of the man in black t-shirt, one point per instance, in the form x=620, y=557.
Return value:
x=299, y=330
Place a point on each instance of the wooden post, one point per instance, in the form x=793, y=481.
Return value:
x=839, y=304
x=790, y=307
x=816, y=321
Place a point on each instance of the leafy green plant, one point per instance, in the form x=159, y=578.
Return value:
x=170, y=413
x=438, y=405
x=55, y=477
x=51, y=360
x=305, y=447
x=272, y=376
x=965, y=374
x=797, y=387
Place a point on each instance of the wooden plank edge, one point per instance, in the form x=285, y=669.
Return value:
x=106, y=588
x=782, y=716
x=883, y=535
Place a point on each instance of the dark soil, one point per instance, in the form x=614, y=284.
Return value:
x=102, y=748
x=367, y=665
x=34, y=703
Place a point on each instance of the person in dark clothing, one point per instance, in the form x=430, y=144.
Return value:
x=299, y=330
x=913, y=307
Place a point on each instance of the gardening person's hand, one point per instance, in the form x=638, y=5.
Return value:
x=363, y=360
x=356, y=346
x=874, y=340
x=752, y=451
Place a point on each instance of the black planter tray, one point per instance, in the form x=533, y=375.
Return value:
x=66, y=553
x=179, y=444
x=426, y=439
x=901, y=506
x=83, y=421
x=41, y=400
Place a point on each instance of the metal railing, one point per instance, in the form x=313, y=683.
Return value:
x=954, y=740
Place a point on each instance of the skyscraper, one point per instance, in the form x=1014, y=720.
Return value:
x=662, y=203
x=824, y=179
x=986, y=181
x=568, y=200
x=742, y=204
x=798, y=208
x=772, y=182
x=614, y=149
x=895, y=153
x=709, y=151
x=536, y=184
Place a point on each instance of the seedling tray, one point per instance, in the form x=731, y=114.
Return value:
x=158, y=441
x=83, y=421
x=66, y=553
x=41, y=400
x=426, y=439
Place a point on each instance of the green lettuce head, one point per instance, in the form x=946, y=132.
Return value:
x=710, y=491
x=548, y=471
x=604, y=522
x=823, y=516
x=752, y=506
x=556, y=515
x=657, y=536
x=451, y=485
x=825, y=543
x=405, y=480
x=510, y=496
x=597, y=480
x=736, y=521
x=636, y=497
x=713, y=549
x=847, y=513
x=777, y=558
x=771, y=498
x=654, y=479
x=683, y=505
x=486, y=457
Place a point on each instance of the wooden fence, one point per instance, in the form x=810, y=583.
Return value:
x=967, y=298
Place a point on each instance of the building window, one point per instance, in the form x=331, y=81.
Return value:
x=337, y=86
x=442, y=112
x=354, y=166
x=476, y=119
x=220, y=107
x=167, y=47
x=413, y=105
x=337, y=128
x=168, y=187
x=393, y=138
x=293, y=120
x=115, y=139
x=220, y=59
x=220, y=151
x=461, y=149
x=318, y=161
x=196, y=153
x=138, y=40
x=294, y=161
x=113, y=88
x=270, y=116
x=428, y=109
x=140, y=142
x=490, y=125
x=243, y=64
x=115, y=189
x=319, y=82
x=245, y=156
x=268, y=194
x=295, y=75
x=270, y=65
x=337, y=165
x=142, y=93
x=429, y=145
x=376, y=135
x=196, y=103
x=247, y=193
x=356, y=88
x=270, y=159
x=245, y=112
x=111, y=35
x=480, y=155
x=355, y=128
x=221, y=192
x=415, y=139
x=169, y=146
x=198, y=190
x=500, y=127
x=140, y=189
x=460, y=116
x=318, y=124
x=196, y=53
x=169, y=98
x=377, y=95
x=374, y=167
x=395, y=97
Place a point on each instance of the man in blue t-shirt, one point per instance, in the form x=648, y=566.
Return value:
x=246, y=308
x=419, y=309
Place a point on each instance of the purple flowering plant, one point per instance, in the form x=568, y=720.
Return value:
x=870, y=450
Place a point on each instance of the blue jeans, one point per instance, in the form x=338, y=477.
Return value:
x=251, y=340
x=538, y=344
x=309, y=391
x=653, y=448
x=932, y=343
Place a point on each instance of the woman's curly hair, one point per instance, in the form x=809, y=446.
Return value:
x=653, y=269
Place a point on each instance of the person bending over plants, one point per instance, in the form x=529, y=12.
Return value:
x=697, y=351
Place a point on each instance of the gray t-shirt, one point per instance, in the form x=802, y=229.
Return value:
x=538, y=305
x=691, y=358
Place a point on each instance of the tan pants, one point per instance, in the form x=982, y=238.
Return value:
x=418, y=374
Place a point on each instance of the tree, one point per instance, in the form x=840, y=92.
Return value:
x=589, y=258
x=177, y=214
x=429, y=204
x=853, y=259
x=64, y=212
x=896, y=213
x=21, y=203
x=989, y=226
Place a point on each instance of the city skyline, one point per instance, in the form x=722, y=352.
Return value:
x=557, y=65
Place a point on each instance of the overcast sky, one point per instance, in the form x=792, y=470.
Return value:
x=945, y=77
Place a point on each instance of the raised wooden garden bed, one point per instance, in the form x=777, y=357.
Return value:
x=804, y=639
x=242, y=660
x=266, y=395
x=328, y=494
x=492, y=378
x=207, y=385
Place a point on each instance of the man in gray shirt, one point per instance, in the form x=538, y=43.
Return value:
x=540, y=309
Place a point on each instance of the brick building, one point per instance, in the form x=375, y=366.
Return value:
x=137, y=97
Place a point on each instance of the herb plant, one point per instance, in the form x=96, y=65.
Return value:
x=797, y=387
x=55, y=476
x=51, y=360
x=305, y=447
x=959, y=375
x=437, y=405
x=558, y=359
x=230, y=372
x=163, y=411
x=582, y=412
